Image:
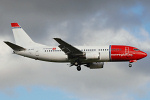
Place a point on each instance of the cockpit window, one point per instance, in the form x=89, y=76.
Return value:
x=136, y=49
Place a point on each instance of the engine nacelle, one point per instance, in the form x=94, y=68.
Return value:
x=96, y=65
x=92, y=56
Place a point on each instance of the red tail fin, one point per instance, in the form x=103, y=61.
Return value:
x=15, y=25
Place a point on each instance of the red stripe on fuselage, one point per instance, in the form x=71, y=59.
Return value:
x=125, y=53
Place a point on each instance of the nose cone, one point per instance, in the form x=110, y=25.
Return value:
x=143, y=54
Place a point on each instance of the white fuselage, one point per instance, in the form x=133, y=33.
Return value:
x=89, y=56
x=55, y=54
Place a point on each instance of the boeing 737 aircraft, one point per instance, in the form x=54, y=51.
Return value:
x=89, y=56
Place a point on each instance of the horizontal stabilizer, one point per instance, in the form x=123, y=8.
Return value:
x=14, y=46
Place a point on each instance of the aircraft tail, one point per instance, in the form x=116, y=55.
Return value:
x=21, y=38
x=14, y=46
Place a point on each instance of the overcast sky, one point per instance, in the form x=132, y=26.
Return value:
x=79, y=22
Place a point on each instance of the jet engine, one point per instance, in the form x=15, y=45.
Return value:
x=92, y=55
x=95, y=65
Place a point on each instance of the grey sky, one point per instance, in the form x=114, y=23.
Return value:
x=50, y=14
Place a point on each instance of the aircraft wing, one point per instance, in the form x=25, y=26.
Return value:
x=68, y=49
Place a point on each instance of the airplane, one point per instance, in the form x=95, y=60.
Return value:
x=92, y=57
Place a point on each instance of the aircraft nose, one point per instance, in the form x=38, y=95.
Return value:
x=144, y=54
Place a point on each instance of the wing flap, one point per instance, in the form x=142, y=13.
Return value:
x=14, y=46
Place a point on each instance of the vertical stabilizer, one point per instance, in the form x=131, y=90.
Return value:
x=21, y=38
